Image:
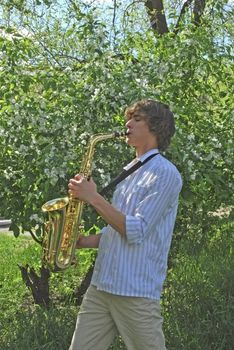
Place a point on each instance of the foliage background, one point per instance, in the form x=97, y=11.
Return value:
x=63, y=77
x=68, y=71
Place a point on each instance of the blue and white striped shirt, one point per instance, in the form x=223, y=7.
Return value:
x=136, y=265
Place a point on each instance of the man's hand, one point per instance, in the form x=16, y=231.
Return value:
x=81, y=188
x=86, y=191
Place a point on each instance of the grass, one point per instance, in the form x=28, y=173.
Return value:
x=23, y=325
x=198, y=297
x=197, y=300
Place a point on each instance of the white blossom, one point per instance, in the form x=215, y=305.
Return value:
x=193, y=176
x=191, y=137
x=36, y=218
x=190, y=163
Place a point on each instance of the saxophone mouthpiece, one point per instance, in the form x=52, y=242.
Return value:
x=121, y=134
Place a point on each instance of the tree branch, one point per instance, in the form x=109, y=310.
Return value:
x=198, y=9
x=114, y=13
x=182, y=12
x=157, y=16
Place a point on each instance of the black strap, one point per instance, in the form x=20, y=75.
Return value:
x=124, y=174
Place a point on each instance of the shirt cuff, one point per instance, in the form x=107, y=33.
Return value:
x=133, y=229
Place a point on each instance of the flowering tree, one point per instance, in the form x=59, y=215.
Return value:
x=66, y=78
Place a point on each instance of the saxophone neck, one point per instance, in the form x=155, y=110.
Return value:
x=86, y=166
x=101, y=137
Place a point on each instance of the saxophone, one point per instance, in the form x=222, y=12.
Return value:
x=63, y=227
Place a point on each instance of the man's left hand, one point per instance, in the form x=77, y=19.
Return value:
x=81, y=188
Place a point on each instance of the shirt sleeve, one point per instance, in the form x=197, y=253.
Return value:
x=160, y=196
x=104, y=229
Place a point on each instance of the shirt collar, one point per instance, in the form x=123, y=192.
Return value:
x=141, y=158
x=147, y=154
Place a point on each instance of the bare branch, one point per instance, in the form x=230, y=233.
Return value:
x=156, y=12
x=126, y=13
x=45, y=48
x=114, y=14
x=71, y=58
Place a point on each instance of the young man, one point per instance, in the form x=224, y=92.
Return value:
x=124, y=295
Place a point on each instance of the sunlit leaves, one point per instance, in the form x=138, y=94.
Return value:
x=65, y=81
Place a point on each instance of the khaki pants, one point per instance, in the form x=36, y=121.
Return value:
x=103, y=315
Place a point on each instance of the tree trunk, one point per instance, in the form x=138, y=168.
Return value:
x=38, y=284
x=198, y=9
x=157, y=16
x=155, y=9
x=80, y=292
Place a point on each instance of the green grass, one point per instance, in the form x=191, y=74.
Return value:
x=23, y=325
x=198, y=297
x=197, y=301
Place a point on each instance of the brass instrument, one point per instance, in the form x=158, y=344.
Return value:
x=63, y=227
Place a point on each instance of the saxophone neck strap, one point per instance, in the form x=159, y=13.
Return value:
x=125, y=174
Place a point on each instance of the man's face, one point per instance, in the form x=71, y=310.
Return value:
x=138, y=130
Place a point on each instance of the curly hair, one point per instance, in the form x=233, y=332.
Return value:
x=159, y=118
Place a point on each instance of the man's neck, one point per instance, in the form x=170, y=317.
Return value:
x=143, y=150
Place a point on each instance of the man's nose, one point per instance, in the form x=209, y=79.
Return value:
x=128, y=124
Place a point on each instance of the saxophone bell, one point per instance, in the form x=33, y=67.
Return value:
x=55, y=204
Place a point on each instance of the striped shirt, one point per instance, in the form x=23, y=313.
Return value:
x=136, y=265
